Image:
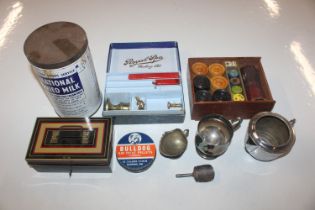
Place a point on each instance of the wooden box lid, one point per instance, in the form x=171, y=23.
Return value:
x=71, y=141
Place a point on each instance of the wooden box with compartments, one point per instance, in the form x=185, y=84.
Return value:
x=143, y=83
x=71, y=144
x=230, y=86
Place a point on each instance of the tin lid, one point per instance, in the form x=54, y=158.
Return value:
x=135, y=152
x=55, y=45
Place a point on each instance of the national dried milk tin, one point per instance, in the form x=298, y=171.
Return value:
x=62, y=62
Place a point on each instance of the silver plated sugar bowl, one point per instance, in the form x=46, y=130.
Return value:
x=269, y=136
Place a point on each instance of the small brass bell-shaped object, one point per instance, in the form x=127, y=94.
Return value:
x=174, y=143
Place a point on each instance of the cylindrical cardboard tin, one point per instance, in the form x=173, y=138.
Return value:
x=62, y=62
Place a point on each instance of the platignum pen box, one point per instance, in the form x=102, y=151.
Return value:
x=71, y=144
x=143, y=83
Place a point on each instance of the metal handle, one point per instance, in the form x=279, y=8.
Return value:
x=70, y=135
x=71, y=127
x=186, y=132
x=236, y=124
x=292, y=122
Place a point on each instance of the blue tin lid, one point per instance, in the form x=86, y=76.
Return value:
x=135, y=152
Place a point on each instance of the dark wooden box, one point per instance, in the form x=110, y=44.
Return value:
x=229, y=109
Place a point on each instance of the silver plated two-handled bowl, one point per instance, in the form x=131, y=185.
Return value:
x=269, y=136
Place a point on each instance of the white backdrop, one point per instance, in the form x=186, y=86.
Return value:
x=281, y=32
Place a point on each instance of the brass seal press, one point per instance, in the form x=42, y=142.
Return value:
x=120, y=106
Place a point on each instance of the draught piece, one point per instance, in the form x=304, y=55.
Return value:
x=202, y=173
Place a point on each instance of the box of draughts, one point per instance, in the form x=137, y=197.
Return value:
x=230, y=86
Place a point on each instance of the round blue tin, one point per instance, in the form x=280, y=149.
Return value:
x=135, y=152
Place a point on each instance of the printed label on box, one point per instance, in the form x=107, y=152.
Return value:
x=144, y=60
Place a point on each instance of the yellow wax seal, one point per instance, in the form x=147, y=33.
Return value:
x=216, y=69
x=218, y=82
x=238, y=97
x=199, y=68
